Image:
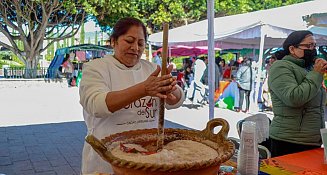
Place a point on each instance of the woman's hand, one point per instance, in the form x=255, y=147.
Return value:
x=173, y=96
x=320, y=66
x=162, y=86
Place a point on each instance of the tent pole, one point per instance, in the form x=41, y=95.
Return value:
x=260, y=66
x=169, y=49
x=150, y=52
x=211, y=57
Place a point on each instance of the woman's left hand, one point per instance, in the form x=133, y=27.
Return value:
x=160, y=86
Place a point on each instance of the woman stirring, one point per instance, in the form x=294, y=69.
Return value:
x=121, y=92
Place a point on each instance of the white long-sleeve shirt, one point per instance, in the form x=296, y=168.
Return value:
x=104, y=75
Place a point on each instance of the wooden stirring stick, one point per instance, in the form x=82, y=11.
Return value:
x=161, y=121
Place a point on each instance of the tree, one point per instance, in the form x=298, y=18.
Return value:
x=58, y=46
x=72, y=41
x=96, y=38
x=151, y=12
x=107, y=13
x=179, y=12
x=36, y=21
x=65, y=43
x=50, y=52
x=82, y=35
x=102, y=39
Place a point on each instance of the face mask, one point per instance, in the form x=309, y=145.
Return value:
x=309, y=57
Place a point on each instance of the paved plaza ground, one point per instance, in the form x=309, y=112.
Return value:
x=42, y=129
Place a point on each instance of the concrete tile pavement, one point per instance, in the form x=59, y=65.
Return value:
x=42, y=149
x=45, y=149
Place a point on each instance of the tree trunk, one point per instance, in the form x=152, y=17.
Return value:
x=31, y=68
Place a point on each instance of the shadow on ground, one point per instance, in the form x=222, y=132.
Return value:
x=192, y=106
x=45, y=149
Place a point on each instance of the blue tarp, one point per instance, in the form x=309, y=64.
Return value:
x=56, y=63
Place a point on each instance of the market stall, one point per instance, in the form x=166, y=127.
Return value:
x=78, y=54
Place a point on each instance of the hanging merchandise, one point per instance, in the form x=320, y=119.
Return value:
x=80, y=55
x=88, y=55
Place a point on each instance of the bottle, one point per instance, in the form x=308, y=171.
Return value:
x=248, y=155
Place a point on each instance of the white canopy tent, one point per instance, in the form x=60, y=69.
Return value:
x=260, y=29
x=245, y=30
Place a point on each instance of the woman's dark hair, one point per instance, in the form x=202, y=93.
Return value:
x=217, y=60
x=65, y=58
x=223, y=60
x=278, y=55
x=294, y=39
x=123, y=25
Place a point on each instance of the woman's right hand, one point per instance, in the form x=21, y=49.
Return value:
x=159, y=86
x=320, y=66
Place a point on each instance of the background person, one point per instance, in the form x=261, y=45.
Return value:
x=223, y=67
x=68, y=69
x=297, y=96
x=197, y=92
x=158, y=59
x=121, y=92
x=205, y=77
x=245, y=77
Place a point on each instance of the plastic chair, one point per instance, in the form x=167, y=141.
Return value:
x=199, y=93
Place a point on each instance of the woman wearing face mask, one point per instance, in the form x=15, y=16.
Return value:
x=298, y=99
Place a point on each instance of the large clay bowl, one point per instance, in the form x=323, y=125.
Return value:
x=148, y=138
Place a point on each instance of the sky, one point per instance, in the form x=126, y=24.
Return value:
x=90, y=26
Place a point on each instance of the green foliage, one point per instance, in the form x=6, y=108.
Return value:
x=58, y=45
x=152, y=12
x=48, y=57
x=178, y=62
x=50, y=53
x=8, y=58
x=196, y=10
x=267, y=4
x=5, y=55
x=65, y=43
x=108, y=12
x=16, y=59
x=72, y=41
x=176, y=12
x=36, y=21
x=1, y=64
x=227, y=57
